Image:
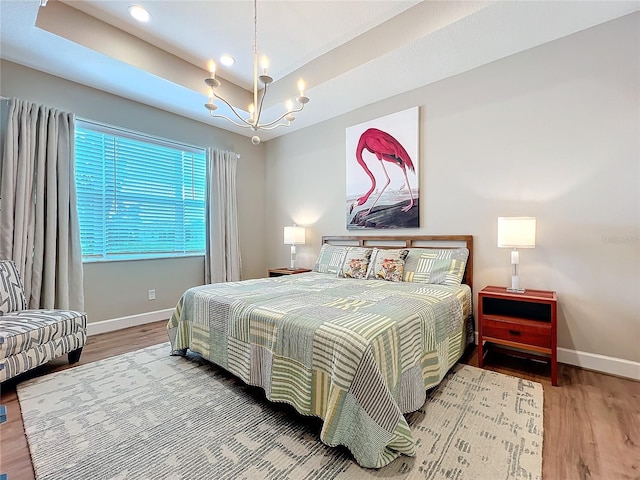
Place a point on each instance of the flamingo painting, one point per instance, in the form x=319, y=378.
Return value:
x=386, y=148
x=382, y=173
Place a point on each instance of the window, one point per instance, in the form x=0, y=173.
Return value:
x=138, y=196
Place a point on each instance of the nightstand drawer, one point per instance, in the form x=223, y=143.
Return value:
x=528, y=334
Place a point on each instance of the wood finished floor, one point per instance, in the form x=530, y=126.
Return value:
x=591, y=420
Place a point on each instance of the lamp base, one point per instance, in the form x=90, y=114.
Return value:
x=515, y=281
x=515, y=290
x=293, y=257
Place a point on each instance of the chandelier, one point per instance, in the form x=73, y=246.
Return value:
x=253, y=121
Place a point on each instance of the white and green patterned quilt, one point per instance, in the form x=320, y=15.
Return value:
x=356, y=353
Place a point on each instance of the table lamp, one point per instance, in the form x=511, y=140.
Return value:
x=516, y=232
x=294, y=236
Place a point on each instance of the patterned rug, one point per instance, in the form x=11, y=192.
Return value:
x=147, y=415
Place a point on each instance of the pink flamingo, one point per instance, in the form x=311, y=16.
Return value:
x=387, y=148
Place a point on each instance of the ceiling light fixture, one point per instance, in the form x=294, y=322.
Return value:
x=139, y=13
x=255, y=109
x=227, y=60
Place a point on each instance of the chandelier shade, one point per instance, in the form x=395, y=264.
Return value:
x=254, y=120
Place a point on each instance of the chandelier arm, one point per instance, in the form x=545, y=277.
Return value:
x=259, y=109
x=268, y=126
x=245, y=123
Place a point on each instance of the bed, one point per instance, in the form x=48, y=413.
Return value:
x=356, y=342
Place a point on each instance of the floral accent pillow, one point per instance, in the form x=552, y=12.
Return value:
x=356, y=262
x=388, y=265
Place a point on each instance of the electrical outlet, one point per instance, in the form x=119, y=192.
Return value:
x=152, y=294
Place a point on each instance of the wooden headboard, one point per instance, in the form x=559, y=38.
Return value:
x=411, y=241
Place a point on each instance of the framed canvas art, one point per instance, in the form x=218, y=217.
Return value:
x=382, y=172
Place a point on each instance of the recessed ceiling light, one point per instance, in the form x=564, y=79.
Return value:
x=227, y=60
x=139, y=13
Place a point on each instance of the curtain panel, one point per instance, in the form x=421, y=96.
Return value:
x=39, y=227
x=222, y=258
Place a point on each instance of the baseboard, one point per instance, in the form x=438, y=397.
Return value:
x=104, y=326
x=599, y=363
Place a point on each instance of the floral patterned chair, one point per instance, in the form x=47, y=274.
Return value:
x=29, y=338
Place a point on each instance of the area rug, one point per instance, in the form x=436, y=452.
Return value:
x=147, y=415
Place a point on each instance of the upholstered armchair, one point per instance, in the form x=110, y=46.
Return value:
x=29, y=338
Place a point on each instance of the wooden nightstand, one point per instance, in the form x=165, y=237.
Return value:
x=523, y=321
x=278, y=272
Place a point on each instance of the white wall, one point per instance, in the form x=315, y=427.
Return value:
x=553, y=132
x=120, y=289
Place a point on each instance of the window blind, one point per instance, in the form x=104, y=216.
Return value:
x=138, y=197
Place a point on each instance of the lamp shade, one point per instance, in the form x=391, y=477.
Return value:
x=294, y=235
x=517, y=232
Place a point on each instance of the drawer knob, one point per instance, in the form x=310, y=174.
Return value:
x=514, y=332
